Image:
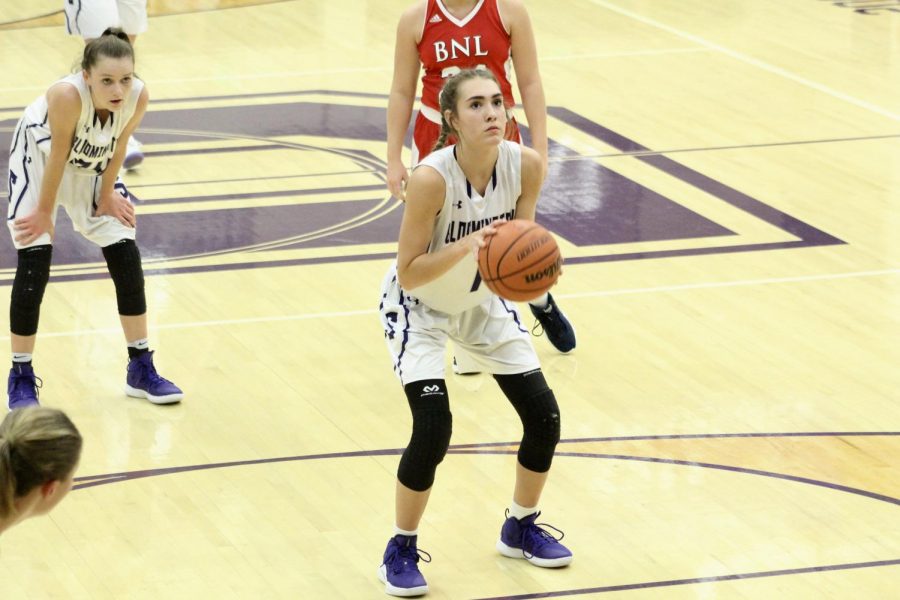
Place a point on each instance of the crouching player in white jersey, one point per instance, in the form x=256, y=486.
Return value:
x=457, y=197
x=67, y=149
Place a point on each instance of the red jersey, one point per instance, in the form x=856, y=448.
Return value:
x=478, y=40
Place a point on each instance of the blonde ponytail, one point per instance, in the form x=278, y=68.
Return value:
x=37, y=445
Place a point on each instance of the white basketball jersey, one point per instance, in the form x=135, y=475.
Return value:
x=464, y=212
x=94, y=142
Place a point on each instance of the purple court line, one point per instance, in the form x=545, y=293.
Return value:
x=219, y=150
x=95, y=480
x=103, y=479
x=602, y=258
x=155, y=101
x=274, y=95
x=275, y=146
x=861, y=138
x=695, y=580
x=293, y=262
x=694, y=436
x=278, y=194
x=690, y=463
x=141, y=186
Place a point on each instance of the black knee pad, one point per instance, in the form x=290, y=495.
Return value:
x=432, y=427
x=32, y=274
x=534, y=401
x=123, y=259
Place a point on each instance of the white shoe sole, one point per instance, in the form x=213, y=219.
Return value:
x=136, y=393
x=395, y=591
x=549, y=563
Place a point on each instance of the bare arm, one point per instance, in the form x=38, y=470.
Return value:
x=528, y=76
x=417, y=266
x=403, y=94
x=64, y=108
x=111, y=202
x=115, y=162
x=532, y=180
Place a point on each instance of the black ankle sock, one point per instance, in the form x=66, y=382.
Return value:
x=135, y=352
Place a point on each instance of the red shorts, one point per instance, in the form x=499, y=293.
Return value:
x=426, y=133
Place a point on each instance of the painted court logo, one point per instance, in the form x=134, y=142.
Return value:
x=304, y=221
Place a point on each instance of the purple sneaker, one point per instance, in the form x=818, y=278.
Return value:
x=399, y=571
x=523, y=538
x=144, y=382
x=22, y=387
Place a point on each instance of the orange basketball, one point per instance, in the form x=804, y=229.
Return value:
x=520, y=262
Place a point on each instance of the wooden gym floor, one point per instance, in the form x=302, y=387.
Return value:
x=724, y=183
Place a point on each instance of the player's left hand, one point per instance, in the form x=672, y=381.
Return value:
x=116, y=205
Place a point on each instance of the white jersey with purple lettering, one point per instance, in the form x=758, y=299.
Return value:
x=466, y=211
x=457, y=306
x=93, y=144
x=94, y=141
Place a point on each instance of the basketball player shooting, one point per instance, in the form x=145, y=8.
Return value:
x=433, y=294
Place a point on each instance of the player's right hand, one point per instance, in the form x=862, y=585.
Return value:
x=397, y=178
x=478, y=239
x=32, y=227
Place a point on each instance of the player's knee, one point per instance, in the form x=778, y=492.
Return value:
x=123, y=259
x=32, y=275
x=432, y=428
x=541, y=424
x=539, y=412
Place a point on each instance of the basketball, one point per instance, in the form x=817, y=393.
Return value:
x=520, y=262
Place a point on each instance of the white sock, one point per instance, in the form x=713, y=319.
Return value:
x=141, y=344
x=541, y=301
x=21, y=357
x=398, y=531
x=520, y=512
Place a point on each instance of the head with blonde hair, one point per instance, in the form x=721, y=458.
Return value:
x=39, y=450
x=450, y=97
